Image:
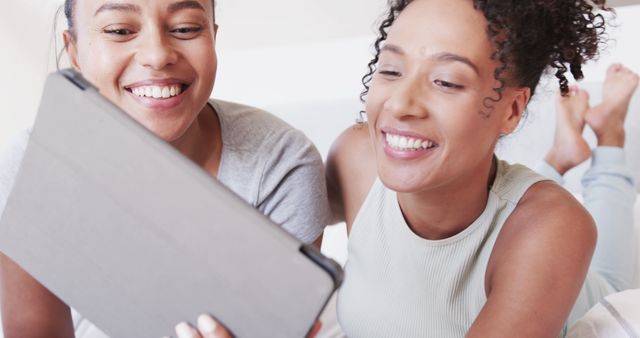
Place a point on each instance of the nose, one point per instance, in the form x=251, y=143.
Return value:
x=156, y=51
x=407, y=99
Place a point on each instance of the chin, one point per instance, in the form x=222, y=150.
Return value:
x=168, y=133
x=414, y=180
x=402, y=183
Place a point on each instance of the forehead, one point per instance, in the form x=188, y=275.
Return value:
x=90, y=8
x=434, y=26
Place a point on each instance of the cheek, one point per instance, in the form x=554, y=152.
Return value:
x=202, y=56
x=102, y=65
x=466, y=126
x=475, y=135
x=374, y=103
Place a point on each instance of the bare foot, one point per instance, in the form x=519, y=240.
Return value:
x=607, y=118
x=569, y=148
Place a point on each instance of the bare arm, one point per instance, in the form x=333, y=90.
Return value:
x=28, y=309
x=537, y=266
x=351, y=170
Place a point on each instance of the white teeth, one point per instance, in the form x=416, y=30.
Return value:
x=406, y=143
x=403, y=142
x=157, y=92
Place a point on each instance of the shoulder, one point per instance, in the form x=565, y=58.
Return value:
x=245, y=126
x=551, y=234
x=351, y=171
x=352, y=154
x=273, y=166
x=542, y=207
x=264, y=147
x=538, y=264
x=252, y=135
x=549, y=209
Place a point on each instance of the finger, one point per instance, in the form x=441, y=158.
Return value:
x=184, y=330
x=209, y=328
x=316, y=328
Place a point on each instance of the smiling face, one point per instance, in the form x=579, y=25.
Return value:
x=425, y=104
x=155, y=59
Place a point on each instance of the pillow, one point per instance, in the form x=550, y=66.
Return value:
x=618, y=315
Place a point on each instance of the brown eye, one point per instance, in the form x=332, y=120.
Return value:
x=186, y=32
x=448, y=85
x=120, y=31
x=389, y=73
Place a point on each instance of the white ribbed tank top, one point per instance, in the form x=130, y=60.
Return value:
x=398, y=284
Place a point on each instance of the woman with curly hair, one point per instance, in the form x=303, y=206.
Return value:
x=446, y=240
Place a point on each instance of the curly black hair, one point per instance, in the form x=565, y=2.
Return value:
x=529, y=36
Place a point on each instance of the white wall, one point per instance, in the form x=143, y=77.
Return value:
x=25, y=36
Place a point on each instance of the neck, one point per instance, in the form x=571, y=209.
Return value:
x=448, y=210
x=202, y=142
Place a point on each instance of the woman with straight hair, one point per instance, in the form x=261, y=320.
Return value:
x=156, y=60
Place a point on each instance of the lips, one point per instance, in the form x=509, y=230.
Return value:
x=402, y=141
x=158, y=95
x=407, y=146
x=157, y=92
x=399, y=142
x=157, y=89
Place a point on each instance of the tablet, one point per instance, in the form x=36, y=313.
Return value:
x=136, y=237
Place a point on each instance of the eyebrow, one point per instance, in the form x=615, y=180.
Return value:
x=174, y=7
x=442, y=56
x=393, y=49
x=109, y=6
x=187, y=4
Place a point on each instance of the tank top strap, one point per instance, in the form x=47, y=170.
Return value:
x=513, y=180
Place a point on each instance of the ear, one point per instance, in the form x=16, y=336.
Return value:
x=516, y=110
x=70, y=46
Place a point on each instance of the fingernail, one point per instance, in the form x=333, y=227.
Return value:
x=206, y=323
x=184, y=330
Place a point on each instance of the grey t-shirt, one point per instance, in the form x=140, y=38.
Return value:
x=269, y=164
x=274, y=167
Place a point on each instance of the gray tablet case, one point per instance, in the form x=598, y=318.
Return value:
x=137, y=238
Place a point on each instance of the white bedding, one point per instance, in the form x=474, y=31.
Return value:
x=636, y=283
